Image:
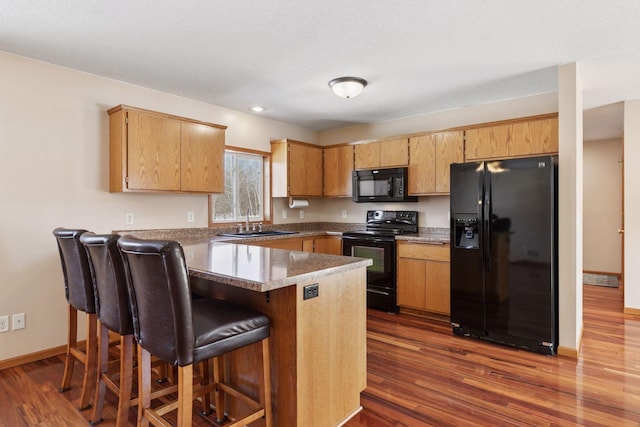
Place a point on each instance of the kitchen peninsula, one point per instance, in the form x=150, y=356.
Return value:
x=318, y=344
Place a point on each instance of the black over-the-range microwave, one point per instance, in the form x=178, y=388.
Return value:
x=381, y=185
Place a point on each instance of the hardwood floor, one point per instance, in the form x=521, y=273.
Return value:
x=419, y=374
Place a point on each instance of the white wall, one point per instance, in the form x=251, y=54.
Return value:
x=54, y=163
x=602, y=246
x=631, y=205
x=570, y=167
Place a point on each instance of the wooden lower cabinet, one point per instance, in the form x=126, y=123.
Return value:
x=424, y=277
x=331, y=245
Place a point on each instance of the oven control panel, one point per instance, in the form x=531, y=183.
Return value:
x=400, y=216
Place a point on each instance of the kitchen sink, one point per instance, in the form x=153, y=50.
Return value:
x=258, y=233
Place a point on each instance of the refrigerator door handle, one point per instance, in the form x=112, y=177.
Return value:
x=488, y=220
x=481, y=203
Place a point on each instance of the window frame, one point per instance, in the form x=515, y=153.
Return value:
x=266, y=188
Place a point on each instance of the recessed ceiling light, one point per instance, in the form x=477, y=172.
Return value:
x=257, y=109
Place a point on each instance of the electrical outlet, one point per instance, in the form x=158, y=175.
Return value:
x=18, y=321
x=344, y=214
x=284, y=214
x=128, y=218
x=310, y=291
x=191, y=217
x=4, y=323
x=301, y=213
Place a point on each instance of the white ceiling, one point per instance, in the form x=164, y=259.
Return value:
x=419, y=56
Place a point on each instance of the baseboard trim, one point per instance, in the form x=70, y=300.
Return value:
x=32, y=357
x=629, y=310
x=573, y=353
x=568, y=352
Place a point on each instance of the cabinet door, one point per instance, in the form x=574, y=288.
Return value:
x=412, y=282
x=489, y=142
x=338, y=165
x=202, y=164
x=331, y=245
x=367, y=156
x=449, y=148
x=293, y=244
x=535, y=137
x=422, y=158
x=153, y=152
x=394, y=152
x=305, y=170
x=438, y=288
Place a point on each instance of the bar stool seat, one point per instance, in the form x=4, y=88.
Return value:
x=78, y=286
x=171, y=326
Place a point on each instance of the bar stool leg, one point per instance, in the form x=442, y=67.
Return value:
x=265, y=389
x=185, y=395
x=89, y=376
x=144, y=386
x=72, y=339
x=102, y=368
x=127, y=347
x=218, y=394
x=206, y=381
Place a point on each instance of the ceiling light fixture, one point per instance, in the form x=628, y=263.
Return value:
x=257, y=109
x=347, y=87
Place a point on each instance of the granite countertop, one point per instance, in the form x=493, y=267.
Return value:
x=432, y=237
x=260, y=268
x=234, y=261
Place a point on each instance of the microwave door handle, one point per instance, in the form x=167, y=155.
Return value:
x=390, y=187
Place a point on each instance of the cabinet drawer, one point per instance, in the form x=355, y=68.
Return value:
x=435, y=252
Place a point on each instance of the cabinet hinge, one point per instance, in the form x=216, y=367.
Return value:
x=126, y=120
x=126, y=179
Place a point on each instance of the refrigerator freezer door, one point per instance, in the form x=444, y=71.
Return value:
x=467, y=278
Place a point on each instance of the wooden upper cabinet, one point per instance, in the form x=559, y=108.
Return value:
x=202, y=149
x=382, y=154
x=153, y=152
x=534, y=137
x=489, y=142
x=338, y=165
x=296, y=169
x=429, y=159
x=150, y=151
x=537, y=136
x=449, y=149
x=422, y=160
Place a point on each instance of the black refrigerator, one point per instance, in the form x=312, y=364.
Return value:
x=504, y=252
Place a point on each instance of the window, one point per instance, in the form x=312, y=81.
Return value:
x=244, y=188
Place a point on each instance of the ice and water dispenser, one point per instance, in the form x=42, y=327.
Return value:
x=466, y=231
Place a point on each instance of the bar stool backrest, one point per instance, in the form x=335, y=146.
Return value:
x=110, y=283
x=160, y=297
x=78, y=284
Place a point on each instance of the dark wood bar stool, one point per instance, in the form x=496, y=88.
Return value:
x=78, y=287
x=169, y=324
x=114, y=314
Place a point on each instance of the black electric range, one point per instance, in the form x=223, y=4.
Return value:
x=377, y=242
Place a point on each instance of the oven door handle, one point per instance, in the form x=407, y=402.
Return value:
x=373, y=291
x=365, y=241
